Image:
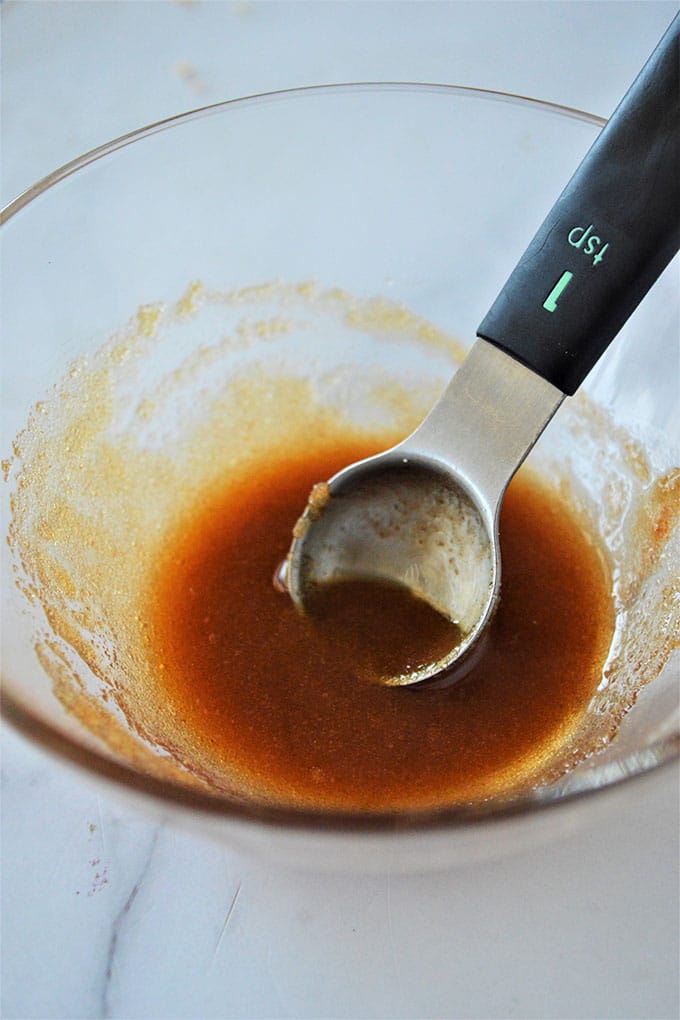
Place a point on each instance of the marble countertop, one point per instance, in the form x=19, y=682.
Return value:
x=106, y=913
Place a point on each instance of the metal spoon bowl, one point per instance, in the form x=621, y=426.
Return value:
x=425, y=517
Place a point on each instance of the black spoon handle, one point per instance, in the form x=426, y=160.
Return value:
x=608, y=237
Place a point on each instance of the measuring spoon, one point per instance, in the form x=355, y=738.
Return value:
x=424, y=515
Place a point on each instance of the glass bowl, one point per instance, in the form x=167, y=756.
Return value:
x=348, y=238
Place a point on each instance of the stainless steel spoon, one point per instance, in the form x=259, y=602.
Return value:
x=425, y=514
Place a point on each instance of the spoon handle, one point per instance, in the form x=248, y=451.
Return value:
x=608, y=237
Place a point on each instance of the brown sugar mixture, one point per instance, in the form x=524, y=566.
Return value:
x=380, y=630
x=275, y=698
x=152, y=496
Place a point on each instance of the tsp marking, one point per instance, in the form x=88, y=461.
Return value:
x=577, y=238
x=550, y=303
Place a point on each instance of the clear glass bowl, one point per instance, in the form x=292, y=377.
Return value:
x=351, y=237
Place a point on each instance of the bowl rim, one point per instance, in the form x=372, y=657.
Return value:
x=189, y=799
x=258, y=98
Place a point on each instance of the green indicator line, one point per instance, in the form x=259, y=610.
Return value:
x=550, y=303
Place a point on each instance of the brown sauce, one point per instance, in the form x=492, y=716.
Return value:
x=380, y=630
x=275, y=699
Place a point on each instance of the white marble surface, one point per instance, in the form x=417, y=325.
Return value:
x=105, y=914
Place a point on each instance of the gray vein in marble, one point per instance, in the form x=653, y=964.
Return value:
x=101, y=823
x=119, y=922
x=223, y=930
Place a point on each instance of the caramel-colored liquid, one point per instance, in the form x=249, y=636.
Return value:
x=275, y=699
x=381, y=631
